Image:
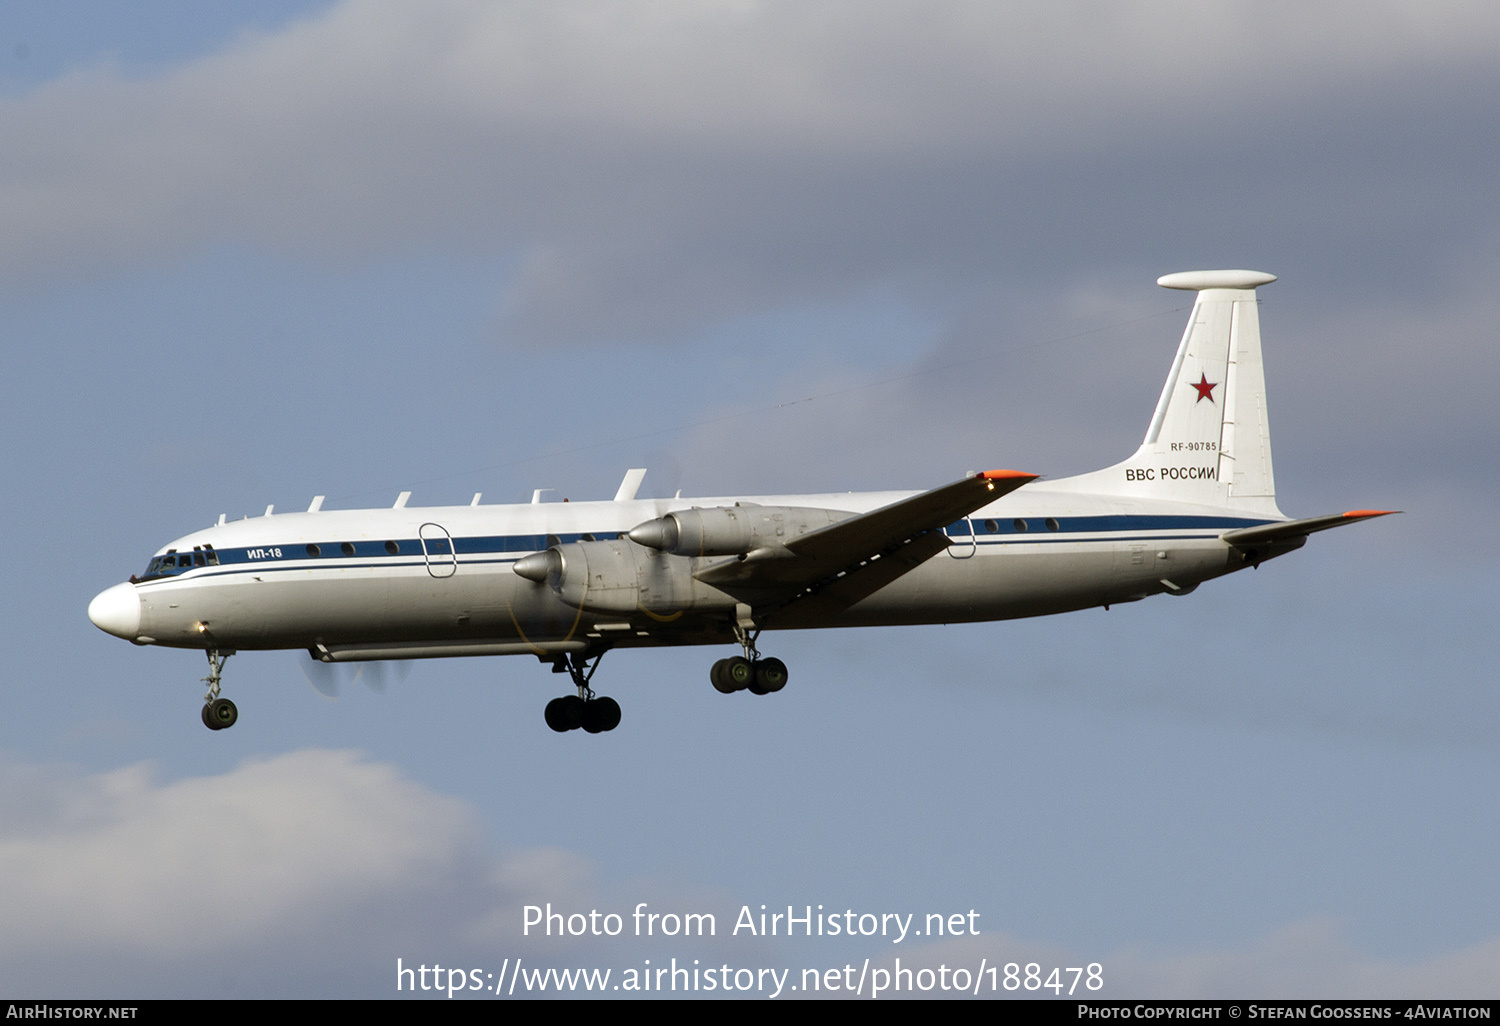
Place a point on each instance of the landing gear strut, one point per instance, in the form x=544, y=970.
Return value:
x=218, y=713
x=595, y=715
x=748, y=672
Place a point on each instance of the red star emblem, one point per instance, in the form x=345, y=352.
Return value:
x=1205, y=390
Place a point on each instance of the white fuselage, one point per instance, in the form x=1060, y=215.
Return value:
x=387, y=583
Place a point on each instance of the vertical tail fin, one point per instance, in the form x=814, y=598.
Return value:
x=1209, y=441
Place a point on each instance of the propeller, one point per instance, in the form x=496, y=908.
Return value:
x=377, y=675
x=324, y=677
x=328, y=678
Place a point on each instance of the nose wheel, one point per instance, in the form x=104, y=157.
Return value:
x=218, y=713
x=594, y=714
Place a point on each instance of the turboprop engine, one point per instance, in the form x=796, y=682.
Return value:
x=652, y=567
x=619, y=576
x=732, y=530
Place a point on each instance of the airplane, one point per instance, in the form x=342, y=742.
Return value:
x=567, y=582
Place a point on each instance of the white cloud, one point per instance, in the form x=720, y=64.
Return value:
x=310, y=873
x=307, y=867
x=120, y=859
x=306, y=874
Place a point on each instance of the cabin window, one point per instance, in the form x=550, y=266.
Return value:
x=314, y=551
x=347, y=549
x=991, y=526
x=392, y=547
x=1052, y=525
x=1019, y=525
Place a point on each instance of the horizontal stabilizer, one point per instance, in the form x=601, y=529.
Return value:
x=1290, y=529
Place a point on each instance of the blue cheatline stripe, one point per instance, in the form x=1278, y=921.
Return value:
x=1113, y=523
x=331, y=553
x=1053, y=539
x=299, y=552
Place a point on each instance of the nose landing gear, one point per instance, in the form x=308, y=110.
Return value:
x=218, y=713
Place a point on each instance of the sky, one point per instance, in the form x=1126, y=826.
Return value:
x=255, y=253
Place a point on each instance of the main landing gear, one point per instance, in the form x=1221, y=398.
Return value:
x=595, y=715
x=748, y=672
x=218, y=713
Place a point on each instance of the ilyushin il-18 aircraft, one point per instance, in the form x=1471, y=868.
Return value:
x=567, y=582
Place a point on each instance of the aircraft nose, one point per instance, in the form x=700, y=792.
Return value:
x=117, y=611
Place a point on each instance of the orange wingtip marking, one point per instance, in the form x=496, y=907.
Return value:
x=1356, y=513
x=1002, y=475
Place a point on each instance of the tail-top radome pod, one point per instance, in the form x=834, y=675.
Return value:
x=1209, y=441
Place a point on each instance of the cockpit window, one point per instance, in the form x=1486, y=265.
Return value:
x=175, y=562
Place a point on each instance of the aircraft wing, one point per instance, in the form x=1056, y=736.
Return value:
x=844, y=562
x=1289, y=530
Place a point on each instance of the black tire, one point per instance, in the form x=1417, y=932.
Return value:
x=738, y=672
x=565, y=713
x=221, y=714
x=608, y=712
x=600, y=715
x=206, y=721
x=721, y=683
x=770, y=676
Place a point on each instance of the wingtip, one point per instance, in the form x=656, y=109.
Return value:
x=1362, y=514
x=1007, y=475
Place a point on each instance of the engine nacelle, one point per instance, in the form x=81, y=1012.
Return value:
x=599, y=575
x=618, y=576
x=731, y=530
